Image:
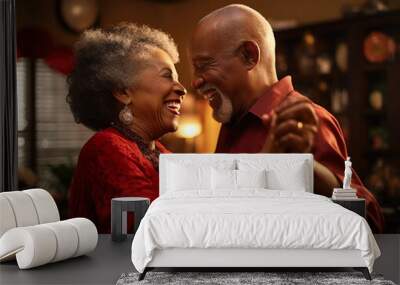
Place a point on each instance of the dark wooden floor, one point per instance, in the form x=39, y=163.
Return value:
x=106, y=264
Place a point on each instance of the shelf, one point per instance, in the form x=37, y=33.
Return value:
x=342, y=114
x=385, y=153
x=376, y=114
x=364, y=126
x=377, y=67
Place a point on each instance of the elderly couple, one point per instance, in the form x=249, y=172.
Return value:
x=126, y=88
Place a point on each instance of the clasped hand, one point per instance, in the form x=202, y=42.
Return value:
x=292, y=127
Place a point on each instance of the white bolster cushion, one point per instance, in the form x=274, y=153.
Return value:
x=33, y=246
x=45, y=205
x=87, y=235
x=40, y=244
x=23, y=208
x=26, y=208
x=7, y=218
x=67, y=240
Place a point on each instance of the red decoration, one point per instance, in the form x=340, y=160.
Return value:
x=61, y=59
x=379, y=47
x=37, y=43
x=34, y=43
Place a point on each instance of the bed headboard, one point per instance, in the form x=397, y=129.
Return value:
x=214, y=159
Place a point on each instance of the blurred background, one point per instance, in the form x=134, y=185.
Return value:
x=345, y=55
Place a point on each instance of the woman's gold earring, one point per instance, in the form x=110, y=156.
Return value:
x=126, y=116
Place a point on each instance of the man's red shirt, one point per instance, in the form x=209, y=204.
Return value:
x=248, y=136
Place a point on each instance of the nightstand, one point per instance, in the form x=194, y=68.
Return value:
x=119, y=208
x=355, y=205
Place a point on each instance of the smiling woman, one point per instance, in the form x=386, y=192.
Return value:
x=125, y=87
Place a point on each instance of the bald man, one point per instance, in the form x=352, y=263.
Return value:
x=233, y=56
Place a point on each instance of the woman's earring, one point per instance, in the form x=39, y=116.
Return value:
x=126, y=116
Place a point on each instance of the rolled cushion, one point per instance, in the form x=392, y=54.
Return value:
x=26, y=208
x=23, y=208
x=33, y=246
x=87, y=235
x=45, y=205
x=66, y=238
x=7, y=218
x=41, y=244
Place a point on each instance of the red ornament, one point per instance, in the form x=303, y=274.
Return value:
x=61, y=59
x=34, y=43
x=379, y=47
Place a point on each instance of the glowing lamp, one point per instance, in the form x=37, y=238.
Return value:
x=189, y=127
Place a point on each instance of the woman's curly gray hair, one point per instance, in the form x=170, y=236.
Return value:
x=108, y=60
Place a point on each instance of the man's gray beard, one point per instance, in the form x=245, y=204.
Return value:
x=224, y=113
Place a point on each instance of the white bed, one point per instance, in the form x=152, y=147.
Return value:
x=203, y=219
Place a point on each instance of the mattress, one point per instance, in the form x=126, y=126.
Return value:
x=251, y=219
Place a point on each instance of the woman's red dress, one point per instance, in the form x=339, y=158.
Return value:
x=110, y=165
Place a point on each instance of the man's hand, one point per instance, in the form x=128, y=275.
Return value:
x=270, y=145
x=292, y=127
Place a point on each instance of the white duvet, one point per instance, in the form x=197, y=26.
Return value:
x=253, y=218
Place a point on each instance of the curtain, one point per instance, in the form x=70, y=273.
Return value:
x=8, y=98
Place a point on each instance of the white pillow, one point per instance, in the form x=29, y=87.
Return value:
x=227, y=179
x=251, y=178
x=182, y=177
x=291, y=180
x=203, y=162
x=281, y=174
x=223, y=179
